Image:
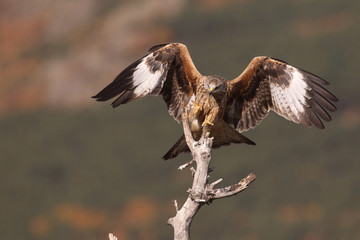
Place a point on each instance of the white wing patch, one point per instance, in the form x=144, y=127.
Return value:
x=290, y=100
x=147, y=82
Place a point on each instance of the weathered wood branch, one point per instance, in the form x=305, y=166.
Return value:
x=229, y=191
x=112, y=237
x=182, y=167
x=201, y=155
x=201, y=192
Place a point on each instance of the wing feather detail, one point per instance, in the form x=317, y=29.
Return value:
x=269, y=84
x=166, y=70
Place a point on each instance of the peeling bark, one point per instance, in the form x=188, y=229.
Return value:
x=202, y=191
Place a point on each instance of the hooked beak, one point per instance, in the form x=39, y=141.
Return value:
x=211, y=91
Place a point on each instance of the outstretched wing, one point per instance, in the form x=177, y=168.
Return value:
x=269, y=84
x=167, y=70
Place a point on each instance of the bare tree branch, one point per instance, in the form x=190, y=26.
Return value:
x=182, y=167
x=230, y=190
x=201, y=191
x=112, y=237
x=176, y=205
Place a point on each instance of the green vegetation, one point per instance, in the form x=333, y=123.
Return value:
x=83, y=173
x=307, y=180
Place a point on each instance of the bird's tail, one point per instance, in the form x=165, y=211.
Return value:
x=228, y=135
x=225, y=136
x=179, y=147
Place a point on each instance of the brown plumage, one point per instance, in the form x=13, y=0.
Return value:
x=223, y=108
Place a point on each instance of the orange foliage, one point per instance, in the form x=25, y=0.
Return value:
x=79, y=217
x=312, y=212
x=215, y=4
x=51, y=49
x=348, y=218
x=289, y=214
x=40, y=226
x=20, y=33
x=323, y=25
x=350, y=117
x=312, y=236
x=139, y=211
x=20, y=94
x=136, y=217
x=250, y=236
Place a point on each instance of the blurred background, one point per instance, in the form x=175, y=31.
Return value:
x=72, y=168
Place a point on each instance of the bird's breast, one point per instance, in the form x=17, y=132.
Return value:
x=195, y=125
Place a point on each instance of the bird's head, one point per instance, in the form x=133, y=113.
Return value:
x=215, y=85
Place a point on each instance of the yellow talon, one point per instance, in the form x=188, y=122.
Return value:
x=196, y=105
x=196, y=109
x=207, y=122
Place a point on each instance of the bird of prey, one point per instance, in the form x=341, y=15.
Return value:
x=218, y=106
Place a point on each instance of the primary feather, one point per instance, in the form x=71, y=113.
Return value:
x=223, y=108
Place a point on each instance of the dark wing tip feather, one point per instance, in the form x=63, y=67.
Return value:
x=319, y=99
x=313, y=77
x=314, y=118
x=323, y=101
x=316, y=82
x=316, y=86
x=319, y=110
x=119, y=85
x=124, y=97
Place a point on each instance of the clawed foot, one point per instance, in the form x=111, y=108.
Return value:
x=206, y=121
x=195, y=104
x=196, y=108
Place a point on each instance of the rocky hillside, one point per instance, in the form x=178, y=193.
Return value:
x=59, y=53
x=55, y=53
